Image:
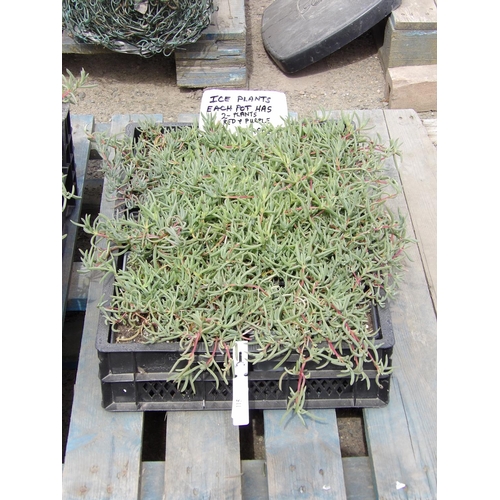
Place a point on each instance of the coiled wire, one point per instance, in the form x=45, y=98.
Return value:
x=142, y=27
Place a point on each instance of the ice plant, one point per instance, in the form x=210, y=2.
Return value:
x=279, y=236
x=70, y=84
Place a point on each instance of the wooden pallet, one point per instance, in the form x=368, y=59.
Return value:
x=217, y=59
x=103, y=454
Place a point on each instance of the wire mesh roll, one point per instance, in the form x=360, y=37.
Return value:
x=145, y=28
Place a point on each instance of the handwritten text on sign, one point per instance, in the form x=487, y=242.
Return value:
x=244, y=108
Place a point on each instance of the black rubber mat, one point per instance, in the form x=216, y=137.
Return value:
x=298, y=33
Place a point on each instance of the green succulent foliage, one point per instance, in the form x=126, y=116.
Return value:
x=280, y=236
x=71, y=83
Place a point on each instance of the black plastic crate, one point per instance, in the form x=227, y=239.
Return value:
x=135, y=376
x=133, y=129
x=68, y=158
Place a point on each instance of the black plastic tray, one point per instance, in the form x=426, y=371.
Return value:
x=135, y=376
x=68, y=159
x=297, y=33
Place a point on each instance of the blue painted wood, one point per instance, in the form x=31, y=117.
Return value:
x=254, y=480
x=152, y=481
x=402, y=438
x=78, y=289
x=408, y=47
x=303, y=461
x=103, y=449
x=201, y=75
x=358, y=475
x=202, y=457
x=103, y=452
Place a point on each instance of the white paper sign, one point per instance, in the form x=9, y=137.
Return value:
x=244, y=108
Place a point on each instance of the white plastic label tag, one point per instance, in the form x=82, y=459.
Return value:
x=240, y=412
x=244, y=108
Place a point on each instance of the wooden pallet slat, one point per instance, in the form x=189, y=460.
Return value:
x=70, y=46
x=103, y=449
x=152, y=477
x=254, y=480
x=202, y=458
x=358, y=475
x=303, y=461
x=402, y=448
x=223, y=52
x=407, y=49
x=228, y=21
x=198, y=75
x=103, y=452
x=410, y=36
x=419, y=180
x=402, y=437
x=416, y=15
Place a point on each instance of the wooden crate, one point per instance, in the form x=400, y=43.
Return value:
x=202, y=452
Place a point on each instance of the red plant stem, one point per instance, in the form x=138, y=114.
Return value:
x=195, y=343
x=388, y=197
x=398, y=253
x=228, y=351
x=351, y=332
x=339, y=357
x=357, y=278
x=302, y=379
x=212, y=357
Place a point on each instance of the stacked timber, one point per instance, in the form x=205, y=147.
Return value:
x=408, y=54
x=218, y=58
